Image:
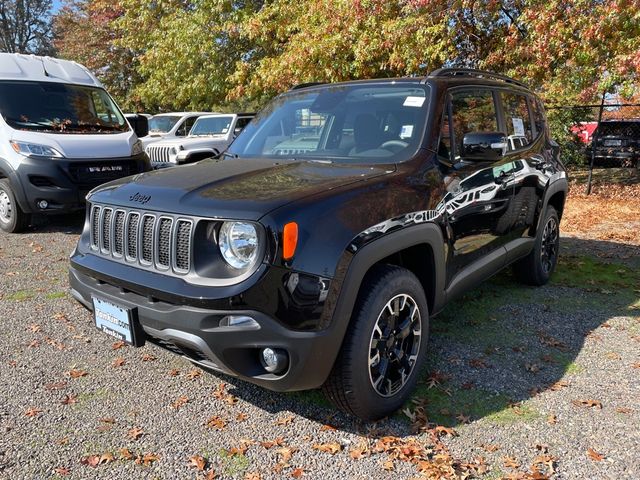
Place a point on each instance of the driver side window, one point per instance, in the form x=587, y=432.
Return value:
x=472, y=111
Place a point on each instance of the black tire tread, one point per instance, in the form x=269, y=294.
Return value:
x=21, y=220
x=526, y=270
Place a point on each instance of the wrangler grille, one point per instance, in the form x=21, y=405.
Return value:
x=159, y=154
x=157, y=241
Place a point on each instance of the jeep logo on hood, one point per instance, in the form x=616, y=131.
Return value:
x=137, y=197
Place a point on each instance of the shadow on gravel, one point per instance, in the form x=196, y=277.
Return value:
x=70, y=223
x=500, y=344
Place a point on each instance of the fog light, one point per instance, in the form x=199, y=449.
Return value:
x=274, y=360
x=42, y=204
x=242, y=321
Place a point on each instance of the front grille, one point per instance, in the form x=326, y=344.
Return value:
x=159, y=154
x=91, y=174
x=155, y=241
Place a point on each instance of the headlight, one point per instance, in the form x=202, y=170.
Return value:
x=35, y=150
x=238, y=243
x=137, y=148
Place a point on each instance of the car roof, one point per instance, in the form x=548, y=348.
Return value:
x=15, y=66
x=182, y=114
x=443, y=76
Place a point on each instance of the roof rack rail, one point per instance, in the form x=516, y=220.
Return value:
x=306, y=85
x=472, y=72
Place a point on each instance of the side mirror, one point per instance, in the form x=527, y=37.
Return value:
x=236, y=131
x=484, y=146
x=140, y=124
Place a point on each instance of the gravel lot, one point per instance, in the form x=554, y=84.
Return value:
x=519, y=379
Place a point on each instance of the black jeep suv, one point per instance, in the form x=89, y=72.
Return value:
x=314, y=251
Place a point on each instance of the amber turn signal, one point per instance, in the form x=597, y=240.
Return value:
x=289, y=240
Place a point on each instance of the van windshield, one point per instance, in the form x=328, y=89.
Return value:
x=360, y=123
x=59, y=108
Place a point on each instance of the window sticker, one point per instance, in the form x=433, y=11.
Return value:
x=225, y=130
x=518, y=126
x=406, y=131
x=411, y=101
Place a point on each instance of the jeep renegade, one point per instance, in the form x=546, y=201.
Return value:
x=313, y=252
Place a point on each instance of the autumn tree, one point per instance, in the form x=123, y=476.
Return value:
x=86, y=31
x=25, y=26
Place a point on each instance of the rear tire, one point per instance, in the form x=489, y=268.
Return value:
x=536, y=268
x=12, y=218
x=384, y=348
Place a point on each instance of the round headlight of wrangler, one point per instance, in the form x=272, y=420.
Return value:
x=238, y=243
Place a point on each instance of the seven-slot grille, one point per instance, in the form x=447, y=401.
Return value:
x=152, y=240
x=159, y=154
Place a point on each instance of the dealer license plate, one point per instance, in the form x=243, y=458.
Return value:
x=113, y=320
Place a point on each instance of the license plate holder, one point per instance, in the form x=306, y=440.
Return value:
x=119, y=322
x=613, y=143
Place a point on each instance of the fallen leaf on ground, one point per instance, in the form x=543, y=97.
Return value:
x=193, y=374
x=278, y=442
x=216, y=422
x=198, y=462
x=595, y=456
x=180, y=401
x=125, y=454
x=297, y=472
x=77, y=373
x=252, y=476
x=62, y=471
x=624, y=410
x=69, y=399
x=135, y=433
x=285, y=420
x=588, y=403
x=490, y=447
x=32, y=412
x=147, y=357
x=118, y=362
x=147, y=459
x=332, y=448
x=55, y=386
x=174, y=372
x=118, y=344
x=552, y=419
x=241, y=417
x=510, y=462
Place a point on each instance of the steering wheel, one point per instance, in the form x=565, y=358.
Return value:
x=394, y=145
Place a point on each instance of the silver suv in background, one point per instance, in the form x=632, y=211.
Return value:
x=209, y=136
x=171, y=125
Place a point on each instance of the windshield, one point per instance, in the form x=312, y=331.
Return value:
x=211, y=126
x=163, y=123
x=356, y=123
x=59, y=108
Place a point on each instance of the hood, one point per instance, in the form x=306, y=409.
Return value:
x=239, y=189
x=192, y=142
x=106, y=145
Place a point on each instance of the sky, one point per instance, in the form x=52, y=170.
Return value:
x=57, y=5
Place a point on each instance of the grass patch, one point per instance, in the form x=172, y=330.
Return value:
x=444, y=404
x=233, y=465
x=585, y=272
x=573, y=369
x=55, y=295
x=86, y=398
x=310, y=397
x=474, y=318
x=20, y=295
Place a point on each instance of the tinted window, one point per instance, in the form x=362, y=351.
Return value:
x=59, y=108
x=183, y=130
x=358, y=123
x=473, y=111
x=538, y=115
x=517, y=119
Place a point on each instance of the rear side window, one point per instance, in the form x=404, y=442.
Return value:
x=517, y=119
x=472, y=111
x=538, y=115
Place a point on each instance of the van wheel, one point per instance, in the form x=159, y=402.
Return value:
x=384, y=348
x=12, y=218
x=537, y=267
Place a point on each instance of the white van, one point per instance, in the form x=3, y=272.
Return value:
x=61, y=135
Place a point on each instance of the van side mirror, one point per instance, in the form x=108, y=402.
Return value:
x=140, y=124
x=484, y=146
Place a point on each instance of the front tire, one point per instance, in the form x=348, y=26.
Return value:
x=12, y=218
x=536, y=268
x=384, y=347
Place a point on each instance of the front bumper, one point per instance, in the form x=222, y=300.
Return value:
x=195, y=333
x=64, y=183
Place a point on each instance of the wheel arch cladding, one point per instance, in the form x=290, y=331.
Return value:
x=419, y=248
x=557, y=201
